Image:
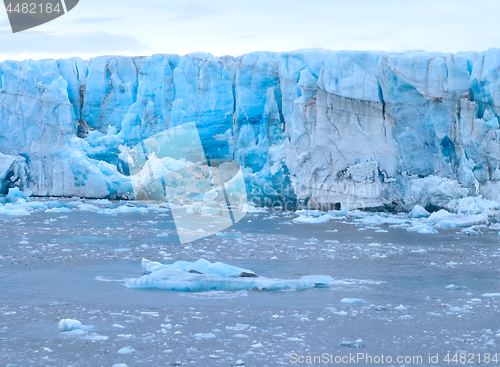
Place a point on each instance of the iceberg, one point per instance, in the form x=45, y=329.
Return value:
x=444, y=219
x=419, y=212
x=315, y=129
x=204, y=276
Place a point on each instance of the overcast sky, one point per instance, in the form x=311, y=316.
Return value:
x=234, y=27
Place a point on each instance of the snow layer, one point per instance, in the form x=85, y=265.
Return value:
x=215, y=277
x=352, y=128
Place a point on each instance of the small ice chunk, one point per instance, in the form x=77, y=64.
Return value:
x=71, y=325
x=309, y=213
x=400, y=308
x=124, y=209
x=422, y=229
x=230, y=235
x=126, y=350
x=491, y=295
x=58, y=210
x=355, y=344
x=472, y=231
x=356, y=301
x=95, y=337
x=88, y=208
x=204, y=336
x=312, y=220
x=433, y=314
x=453, y=287
x=238, y=327
x=102, y=202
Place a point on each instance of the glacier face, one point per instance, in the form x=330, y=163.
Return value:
x=315, y=126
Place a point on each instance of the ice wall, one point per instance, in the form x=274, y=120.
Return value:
x=339, y=128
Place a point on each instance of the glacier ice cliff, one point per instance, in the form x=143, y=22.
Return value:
x=340, y=128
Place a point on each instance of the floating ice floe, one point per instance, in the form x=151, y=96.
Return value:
x=76, y=328
x=445, y=219
x=88, y=208
x=309, y=213
x=123, y=210
x=376, y=219
x=422, y=228
x=355, y=301
x=230, y=235
x=204, y=336
x=471, y=205
x=312, y=219
x=15, y=195
x=102, y=202
x=15, y=210
x=73, y=327
x=317, y=216
x=434, y=314
x=355, y=344
x=249, y=208
x=126, y=350
x=205, y=276
x=453, y=287
x=472, y=231
x=58, y=210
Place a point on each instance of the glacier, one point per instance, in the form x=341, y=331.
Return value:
x=317, y=129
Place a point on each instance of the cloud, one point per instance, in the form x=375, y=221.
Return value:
x=5, y=23
x=98, y=20
x=95, y=43
x=194, y=11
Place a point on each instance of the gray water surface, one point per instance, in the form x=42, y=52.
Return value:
x=75, y=267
